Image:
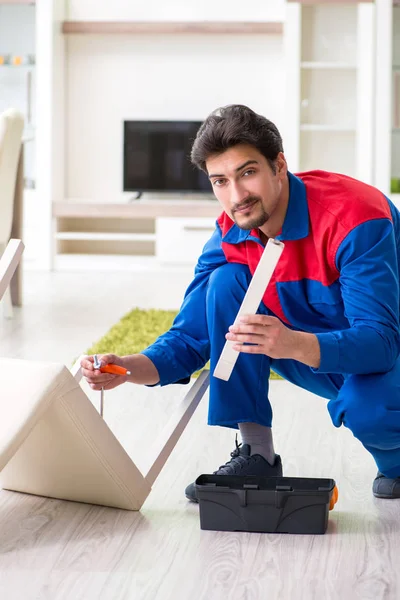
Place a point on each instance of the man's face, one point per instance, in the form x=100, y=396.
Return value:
x=245, y=185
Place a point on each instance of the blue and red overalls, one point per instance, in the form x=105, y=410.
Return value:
x=338, y=277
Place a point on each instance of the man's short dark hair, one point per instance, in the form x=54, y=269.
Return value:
x=231, y=125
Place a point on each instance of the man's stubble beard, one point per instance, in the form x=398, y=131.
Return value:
x=256, y=221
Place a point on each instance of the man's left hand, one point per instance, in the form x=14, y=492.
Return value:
x=268, y=334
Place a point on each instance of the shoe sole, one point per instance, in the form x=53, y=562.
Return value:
x=192, y=499
x=386, y=497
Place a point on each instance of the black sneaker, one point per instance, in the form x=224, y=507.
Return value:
x=243, y=463
x=384, y=487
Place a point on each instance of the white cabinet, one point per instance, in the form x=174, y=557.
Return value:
x=181, y=240
x=330, y=59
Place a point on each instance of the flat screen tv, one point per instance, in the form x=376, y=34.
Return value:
x=157, y=157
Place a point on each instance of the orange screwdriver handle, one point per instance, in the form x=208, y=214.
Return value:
x=114, y=370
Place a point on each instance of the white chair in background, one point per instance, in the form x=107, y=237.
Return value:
x=11, y=130
x=9, y=262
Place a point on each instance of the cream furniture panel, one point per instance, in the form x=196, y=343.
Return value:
x=181, y=241
x=54, y=443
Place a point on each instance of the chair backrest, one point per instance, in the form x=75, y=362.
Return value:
x=11, y=130
x=9, y=261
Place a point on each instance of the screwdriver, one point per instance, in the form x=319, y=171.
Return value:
x=110, y=368
x=114, y=370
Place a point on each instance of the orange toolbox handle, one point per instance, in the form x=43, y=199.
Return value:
x=334, y=498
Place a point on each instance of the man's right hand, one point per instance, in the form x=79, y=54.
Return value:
x=95, y=378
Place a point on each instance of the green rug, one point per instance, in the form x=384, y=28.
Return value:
x=135, y=331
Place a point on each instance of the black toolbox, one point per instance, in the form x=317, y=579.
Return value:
x=265, y=504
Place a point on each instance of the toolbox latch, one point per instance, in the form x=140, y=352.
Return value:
x=281, y=495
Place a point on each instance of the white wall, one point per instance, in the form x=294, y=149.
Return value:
x=17, y=29
x=112, y=78
x=17, y=37
x=50, y=155
x=176, y=10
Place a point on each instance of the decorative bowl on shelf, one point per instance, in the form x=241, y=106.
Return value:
x=17, y=60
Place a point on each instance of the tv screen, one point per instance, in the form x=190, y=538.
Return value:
x=157, y=157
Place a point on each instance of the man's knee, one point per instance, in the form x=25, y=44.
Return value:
x=369, y=405
x=231, y=279
x=233, y=273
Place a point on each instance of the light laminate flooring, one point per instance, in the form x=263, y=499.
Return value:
x=56, y=550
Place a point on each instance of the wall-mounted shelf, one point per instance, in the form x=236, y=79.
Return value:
x=165, y=27
x=21, y=68
x=100, y=236
x=330, y=85
x=327, y=65
x=323, y=128
x=137, y=210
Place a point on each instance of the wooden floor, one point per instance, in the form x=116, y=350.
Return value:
x=55, y=550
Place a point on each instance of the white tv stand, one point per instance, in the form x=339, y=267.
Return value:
x=173, y=232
